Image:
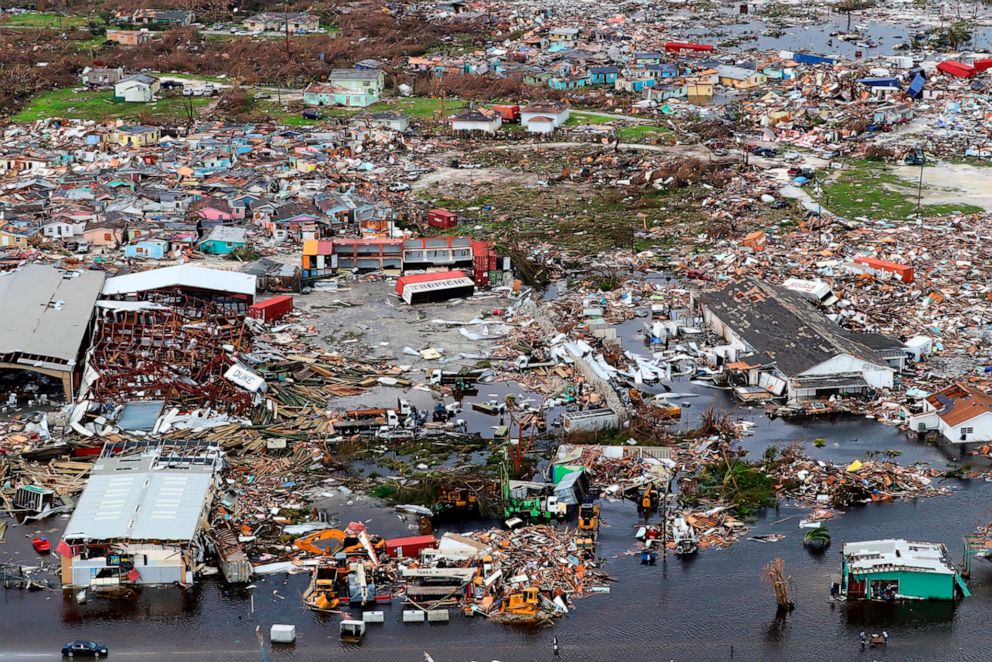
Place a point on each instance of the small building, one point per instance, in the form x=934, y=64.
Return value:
x=899, y=569
x=650, y=57
x=740, y=78
x=476, y=119
x=358, y=87
x=139, y=88
x=142, y=517
x=147, y=249
x=603, y=75
x=278, y=21
x=223, y=239
x=101, y=76
x=390, y=119
x=178, y=17
x=960, y=413
x=136, y=136
x=129, y=37
x=565, y=36
x=554, y=111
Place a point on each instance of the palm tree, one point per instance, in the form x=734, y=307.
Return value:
x=848, y=6
x=817, y=540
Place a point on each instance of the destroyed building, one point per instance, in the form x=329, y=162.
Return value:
x=171, y=334
x=141, y=518
x=781, y=344
x=47, y=320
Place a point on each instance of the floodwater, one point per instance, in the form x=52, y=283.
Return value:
x=700, y=609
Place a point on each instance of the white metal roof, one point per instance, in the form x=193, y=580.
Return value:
x=46, y=310
x=139, y=498
x=880, y=555
x=183, y=276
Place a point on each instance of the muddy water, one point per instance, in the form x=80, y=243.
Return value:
x=695, y=610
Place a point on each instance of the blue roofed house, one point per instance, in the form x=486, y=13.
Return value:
x=651, y=57
x=147, y=249
x=603, y=75
x=223, y=239
x=663, y=70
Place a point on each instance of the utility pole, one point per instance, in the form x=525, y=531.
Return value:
x=919, y=188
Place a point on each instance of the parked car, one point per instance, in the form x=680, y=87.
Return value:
x=171, y=84
x=313, y=115
x=83, y=648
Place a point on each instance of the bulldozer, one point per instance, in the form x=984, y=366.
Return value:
x=457, y=499
x=522, y=603
x=588, y=517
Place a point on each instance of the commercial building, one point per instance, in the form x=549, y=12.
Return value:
x=47, y=320
x=142, y=516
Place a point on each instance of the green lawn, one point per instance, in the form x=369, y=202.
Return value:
x=641, y=132
x=868, y=189
x=419, y=107
x=68, y=103
x=577, y=117
x=46, y=20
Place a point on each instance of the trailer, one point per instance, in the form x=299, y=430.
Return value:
x=591, y=420
x=439, y=286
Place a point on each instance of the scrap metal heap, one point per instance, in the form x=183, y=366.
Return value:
x=175, y=347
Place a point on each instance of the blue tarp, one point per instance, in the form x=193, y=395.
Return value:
x=916, y=87
x=809, y=58
x=880, y=82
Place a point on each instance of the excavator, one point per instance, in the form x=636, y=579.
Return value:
x=349, y=542
x=457, y=499
x=588, y=517
x=326, y=586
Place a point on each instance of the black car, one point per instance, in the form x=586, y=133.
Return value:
x=171, y=84
x=82, y=648
x=313, y=115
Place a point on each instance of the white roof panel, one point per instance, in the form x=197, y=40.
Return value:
x=183, y=276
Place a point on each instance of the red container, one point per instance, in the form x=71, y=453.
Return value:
x=442, y=218
x=403, y=281
x=903, y=271
x=957, y=69
x=508, y=112
x=677, y=46
x=271, y=309
x=410, y=545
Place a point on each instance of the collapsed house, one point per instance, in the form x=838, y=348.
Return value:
x=47, y=320
x=171, y=334
x=142, y=517
x=780, y=345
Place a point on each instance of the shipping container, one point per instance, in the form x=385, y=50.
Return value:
x=409, y=546
x=436, y=286
x=903, y=271
x=442, y=218
x=271, y=309
x=591, y=420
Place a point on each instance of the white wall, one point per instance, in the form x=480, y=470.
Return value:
x=876, y=375
x=462, y=125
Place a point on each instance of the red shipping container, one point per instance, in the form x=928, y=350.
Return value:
x=442, y=218
x=403, y=281
x=687, y=46
x=410, y=545
x=905, y=272
x=271, y=309
x=952, y=68
x=982, y=65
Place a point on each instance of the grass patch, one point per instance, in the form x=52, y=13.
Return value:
x=871, y=190
x=68, y=103
x=419, y=107
x=642, y=132
x=576, y=118
x=47, y=20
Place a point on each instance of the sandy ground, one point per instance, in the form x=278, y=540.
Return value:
x=950, y=183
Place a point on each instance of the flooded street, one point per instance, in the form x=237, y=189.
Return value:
x=698, y=609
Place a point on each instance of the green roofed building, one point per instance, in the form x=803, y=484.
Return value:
x=898, y=570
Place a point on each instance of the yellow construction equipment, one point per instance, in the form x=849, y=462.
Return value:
x=347, y=542
x=649, y=499
x=588, y=517
x=457, y=498
x=524, y=603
